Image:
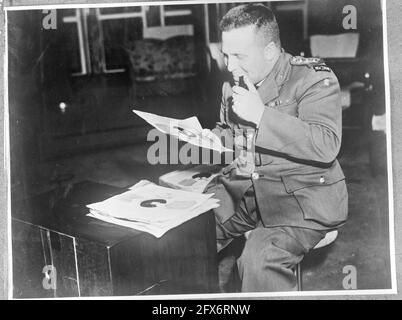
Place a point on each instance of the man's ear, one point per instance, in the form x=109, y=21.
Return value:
x=270, y=51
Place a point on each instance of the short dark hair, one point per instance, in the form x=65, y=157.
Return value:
x=253, y=14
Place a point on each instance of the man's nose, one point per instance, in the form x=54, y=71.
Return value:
x=231, y=63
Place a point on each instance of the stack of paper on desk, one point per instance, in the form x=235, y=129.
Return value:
x=152, y=208
x=193, y=179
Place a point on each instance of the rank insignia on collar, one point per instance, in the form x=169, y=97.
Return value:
x=322, y=68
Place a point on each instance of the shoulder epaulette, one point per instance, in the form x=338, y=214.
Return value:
x=317, y=64
x=302, y=61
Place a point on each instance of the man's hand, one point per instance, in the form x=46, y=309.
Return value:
x=247, y=104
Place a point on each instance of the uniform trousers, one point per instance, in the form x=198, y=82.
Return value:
x=270, y=254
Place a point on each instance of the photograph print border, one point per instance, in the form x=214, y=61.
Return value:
x=390, y=160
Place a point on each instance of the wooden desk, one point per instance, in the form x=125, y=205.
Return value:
x=95, y=258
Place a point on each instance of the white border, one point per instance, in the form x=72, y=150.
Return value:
x=7, y=163
x=322, y=294
x=389, y=147
x=123, y=4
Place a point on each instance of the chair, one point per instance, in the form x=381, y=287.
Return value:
x=215, y=54
x=162, y=66
x=328, y=239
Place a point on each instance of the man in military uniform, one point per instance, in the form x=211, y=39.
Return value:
x=292, y=190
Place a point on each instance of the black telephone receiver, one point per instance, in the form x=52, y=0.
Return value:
x=242, y=83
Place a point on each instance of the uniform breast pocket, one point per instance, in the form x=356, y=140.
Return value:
x=322, y=197
x=288, y=107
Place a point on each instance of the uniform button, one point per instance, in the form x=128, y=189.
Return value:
x=255, y=176
x=322, y=180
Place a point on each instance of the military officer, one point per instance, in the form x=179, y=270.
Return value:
x=294, y=190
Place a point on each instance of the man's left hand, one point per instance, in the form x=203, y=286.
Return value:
x=247, y=104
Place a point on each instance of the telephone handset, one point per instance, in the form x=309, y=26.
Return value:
x=242, y=83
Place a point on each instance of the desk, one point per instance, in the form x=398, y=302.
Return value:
x=95, y=258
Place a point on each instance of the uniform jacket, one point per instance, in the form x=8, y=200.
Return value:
x=297, y=179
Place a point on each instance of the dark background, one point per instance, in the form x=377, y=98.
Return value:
x=43, y=68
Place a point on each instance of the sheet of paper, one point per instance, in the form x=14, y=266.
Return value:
x=187, y=130
x=193, y=179
x=155, y=220
x=150, y=203
x=158, y=229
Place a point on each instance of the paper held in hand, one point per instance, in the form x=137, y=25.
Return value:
x=151, y=208
x=187, y=130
